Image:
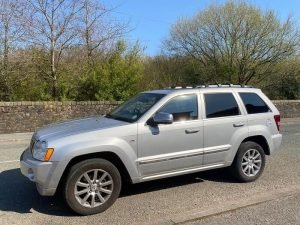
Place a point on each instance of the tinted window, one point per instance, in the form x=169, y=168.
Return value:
x=220, y=105
x=135, y=107
x=182, y=107
x=254, y=104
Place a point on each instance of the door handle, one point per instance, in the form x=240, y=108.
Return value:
x=191, y=131
x=239, y=124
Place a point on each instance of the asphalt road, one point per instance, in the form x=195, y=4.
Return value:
x=160, y=201
x=281, y=211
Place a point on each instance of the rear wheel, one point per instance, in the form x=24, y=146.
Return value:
x=249, y=162
x=92, y=186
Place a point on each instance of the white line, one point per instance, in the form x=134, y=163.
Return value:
x=11, y=161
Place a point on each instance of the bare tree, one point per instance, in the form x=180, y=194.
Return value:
x=11, y=32
x=51, y=25
x=237, y=39
x=98, y=28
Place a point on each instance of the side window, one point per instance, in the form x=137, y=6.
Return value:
x=182, y=107
x=220, y=105
x=254, y=104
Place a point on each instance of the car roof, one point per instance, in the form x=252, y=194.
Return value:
x=210, y=88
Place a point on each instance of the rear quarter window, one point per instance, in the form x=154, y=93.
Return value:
x=254, y=104
x=220, y=105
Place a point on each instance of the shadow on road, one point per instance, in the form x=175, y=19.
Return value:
x=222, y=175
x=20, y=195
x=217, y=175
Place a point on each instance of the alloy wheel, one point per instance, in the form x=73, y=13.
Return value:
x=93, y=188
x=251, y=162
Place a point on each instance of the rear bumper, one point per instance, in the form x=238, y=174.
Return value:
x=276, y=140
x=38, y=172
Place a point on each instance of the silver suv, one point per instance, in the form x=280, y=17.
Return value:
x=154, y=135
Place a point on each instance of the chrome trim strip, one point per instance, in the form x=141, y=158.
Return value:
x=174, y=173
x=170, y=156
x=216, y=151
x=221, y=148
x=147, y=161
x=183, y=154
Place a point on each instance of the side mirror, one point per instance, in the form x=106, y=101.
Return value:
x=163, y=118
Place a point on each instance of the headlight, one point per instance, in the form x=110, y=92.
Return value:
x=41, y=151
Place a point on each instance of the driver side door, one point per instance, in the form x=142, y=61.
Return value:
x=166, y=148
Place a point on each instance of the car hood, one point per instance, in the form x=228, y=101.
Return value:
x=63, y=129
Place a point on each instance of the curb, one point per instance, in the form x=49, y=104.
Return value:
x=15, y=137
x=195, y=215
x=288, y=121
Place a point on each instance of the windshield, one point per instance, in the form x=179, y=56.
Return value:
x=134, y=108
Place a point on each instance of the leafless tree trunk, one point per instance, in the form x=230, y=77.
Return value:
x=11, y=32
x=4, y=89
x=52, y=52
x=51, y=26
x=97, y=29
x=5, y=51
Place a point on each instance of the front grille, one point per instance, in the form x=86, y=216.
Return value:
x=32, y=142
x=21, y=157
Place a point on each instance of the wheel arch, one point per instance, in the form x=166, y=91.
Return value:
x=261, y=140
x=109, y=156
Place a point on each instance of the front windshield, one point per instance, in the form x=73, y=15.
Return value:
x=134, y=108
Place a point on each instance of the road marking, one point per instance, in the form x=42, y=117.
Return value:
x=10, y=161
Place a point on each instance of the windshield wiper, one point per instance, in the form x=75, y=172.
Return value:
x=117, y=118
x=109, y=115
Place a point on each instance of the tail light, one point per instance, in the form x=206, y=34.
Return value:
x=277, y=121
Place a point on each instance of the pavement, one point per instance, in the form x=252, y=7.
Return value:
x=211, y=197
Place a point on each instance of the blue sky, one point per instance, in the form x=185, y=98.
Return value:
x=151, y=20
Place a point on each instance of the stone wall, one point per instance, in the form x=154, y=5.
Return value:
x=27, y=116
x=288, y=108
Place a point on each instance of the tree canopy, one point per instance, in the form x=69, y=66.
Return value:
x=79, y=50
x=236, y=42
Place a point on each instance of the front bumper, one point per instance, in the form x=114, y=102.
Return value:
x=38, y=172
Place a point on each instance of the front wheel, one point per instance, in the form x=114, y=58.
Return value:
x=92, y=186
x=249, y=162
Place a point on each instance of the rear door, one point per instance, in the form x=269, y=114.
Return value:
x=225, y=121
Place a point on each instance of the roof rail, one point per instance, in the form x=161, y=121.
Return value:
x=211, y=86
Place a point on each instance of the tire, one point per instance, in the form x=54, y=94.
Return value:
x=249, y=162
x=96, y=191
